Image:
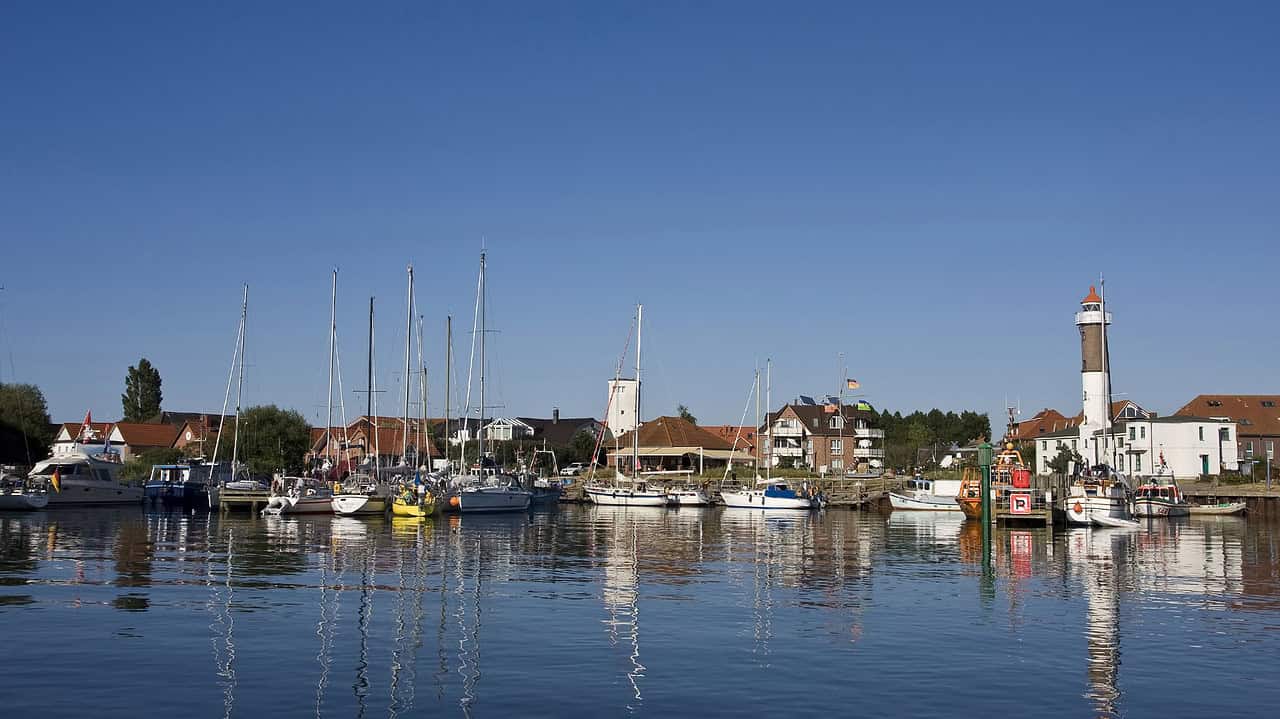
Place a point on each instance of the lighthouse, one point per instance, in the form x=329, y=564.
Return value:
x=1094, y=374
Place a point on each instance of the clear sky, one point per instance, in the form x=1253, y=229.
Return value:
x=929, y=188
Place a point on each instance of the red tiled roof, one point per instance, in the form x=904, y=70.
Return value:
x=744, y=435
x=138, y=434
x=73, y=428
x=675, y=432
x=1251, y=416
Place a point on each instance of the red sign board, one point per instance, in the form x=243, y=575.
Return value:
x=1020, y=504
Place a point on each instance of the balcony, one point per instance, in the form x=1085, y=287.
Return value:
x=869, y=433
x=868, y=453
x=788, y=451
x=780, y=431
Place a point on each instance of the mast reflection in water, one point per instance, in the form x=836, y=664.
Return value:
x=601, y=611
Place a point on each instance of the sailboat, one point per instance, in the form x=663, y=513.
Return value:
x=232, y=482
x=363, y=492
x=408, y=502
x=769, y=493
x=487, y=490
x=633, y=491
x=305, y=495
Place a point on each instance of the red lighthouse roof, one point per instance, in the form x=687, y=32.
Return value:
x=1093, y=297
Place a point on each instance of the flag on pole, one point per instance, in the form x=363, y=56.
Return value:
x=86, y=427
x=56, y=481
x=851, y=384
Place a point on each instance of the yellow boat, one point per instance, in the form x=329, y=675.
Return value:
x=406, y=505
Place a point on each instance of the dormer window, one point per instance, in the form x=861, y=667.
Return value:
x=1268, y=403
x=1215, y=403
x=836, y=422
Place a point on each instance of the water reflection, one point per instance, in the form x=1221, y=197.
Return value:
x=633, y=609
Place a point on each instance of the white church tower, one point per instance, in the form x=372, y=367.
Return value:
x=1094, y=377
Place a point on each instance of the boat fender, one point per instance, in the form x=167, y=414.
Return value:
x=1077, y=509
x=453, y=501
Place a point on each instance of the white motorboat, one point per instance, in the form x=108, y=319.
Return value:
x=926, y=495
x=1096, y=493
x=358, y=503
x=688, y=496
x=1104, y=520
x=304, y=497
x=628, y=493
x=1222, y=508
x=79, y=478
x=768, y=494
x=21, y=496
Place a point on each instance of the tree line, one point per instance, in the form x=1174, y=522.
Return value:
x=921, y=437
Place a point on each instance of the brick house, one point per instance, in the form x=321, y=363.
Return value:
x=823, y=439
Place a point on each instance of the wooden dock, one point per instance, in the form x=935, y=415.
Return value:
x=252, y=500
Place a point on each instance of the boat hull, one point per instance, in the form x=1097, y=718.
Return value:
x=972, y=508
x=493, y=499
x=1080, y=511
x=1103, y=520
x=690, y=499
x=188, y=495
x=930, y=503
x=1224, y=509
x=283, y=504
x=351, y=505
x=77, y=494
x=401, y=508
x=1160, y=508
x=622, y=497
x=756, y=499
x=23, y=502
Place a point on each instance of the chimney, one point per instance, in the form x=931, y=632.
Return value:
x=555, y=415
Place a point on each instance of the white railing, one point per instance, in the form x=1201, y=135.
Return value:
x=869, y=433
x=864, y=452
x=780, y=431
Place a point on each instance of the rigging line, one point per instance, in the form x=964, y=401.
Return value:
x=342, y=402
x=617, y=375
x=466, y=410
x=222, y=418
x=746, y=408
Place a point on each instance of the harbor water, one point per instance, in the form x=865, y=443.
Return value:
x=599, y=611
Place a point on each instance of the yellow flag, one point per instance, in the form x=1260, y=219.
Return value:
x=56, y=481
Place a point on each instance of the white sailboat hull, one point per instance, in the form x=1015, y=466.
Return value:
x=623, y=497
x=923, y=502
x=285, y=504
x=689, y=498
x=757, y=499
x=349, y=505
x=494, y=499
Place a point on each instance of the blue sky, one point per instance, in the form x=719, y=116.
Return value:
x=929, y=188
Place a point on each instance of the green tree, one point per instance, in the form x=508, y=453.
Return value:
x=581, y=447
x=1061, y=462
x=272, y=439
x=141, y=398
x=686, y=415
x=139, y=468
x=25, y=429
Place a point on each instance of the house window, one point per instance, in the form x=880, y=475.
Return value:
x=837, y=445
x=1214, y=403
x=1143, y=432
x=836, y=422
x=1133, y=433
x=1137, y=463
x=1120, y=463
x=1044, y=446
x=1248, y=448
x=837, y=463
x=1073, y=444
x=1224, y=434
x=1268, y=403
x=1201, y=428
x=1271, y=448
x=815, y=422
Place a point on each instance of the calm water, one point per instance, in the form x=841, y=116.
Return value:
x=600, y=611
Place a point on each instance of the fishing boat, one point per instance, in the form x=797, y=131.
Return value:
x=16, y=494
x=1221, y=508
x=1160, y=499
x=79, y=478
x=1008, y=472
x=1096, y=492
x=920, y=494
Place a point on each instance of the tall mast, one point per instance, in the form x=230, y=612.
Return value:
x=368, y=411
x=333, y=330
x=1106, y=371
x=635, y=436
x=840, y=411
x=482, y=359
x=235, y=442
x=408, y=340
x=759, y=446
x=448, y=384
x=768, y=402
x=372, y=418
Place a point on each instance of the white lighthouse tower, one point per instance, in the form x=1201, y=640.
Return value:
x=1094, y=374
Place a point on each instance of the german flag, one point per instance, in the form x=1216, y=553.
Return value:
x=56, y=481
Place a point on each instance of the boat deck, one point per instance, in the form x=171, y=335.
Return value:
x=238, y=499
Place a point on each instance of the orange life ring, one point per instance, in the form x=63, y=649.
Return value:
x=1077, y=509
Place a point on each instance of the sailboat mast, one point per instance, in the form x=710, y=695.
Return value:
x=368, y=412
x=840, y=411
x=635, y=436
x=1106, y=371
x=759, y=447
x=408, y=341
x=333, y=330
x=768, y=402
x=482, y=359
x=235, y=442
x=448, y=381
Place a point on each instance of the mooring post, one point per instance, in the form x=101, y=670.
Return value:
x=984, y=462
